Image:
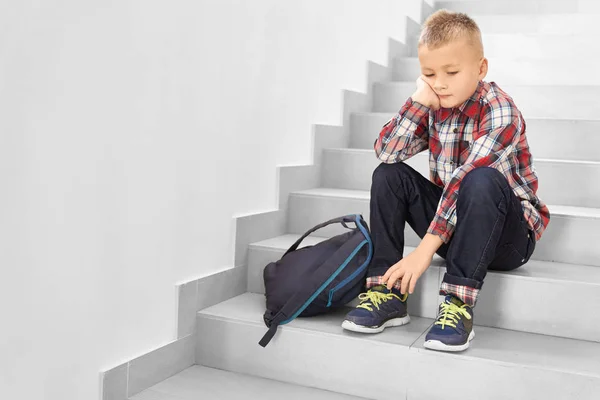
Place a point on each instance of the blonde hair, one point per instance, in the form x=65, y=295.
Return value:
x=443, y=27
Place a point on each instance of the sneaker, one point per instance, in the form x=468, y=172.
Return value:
x=453, y=328
x=378, y=309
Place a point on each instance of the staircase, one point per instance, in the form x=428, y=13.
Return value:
x=537, y=328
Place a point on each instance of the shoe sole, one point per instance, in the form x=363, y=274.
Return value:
x=351, y=326
x=437, y=345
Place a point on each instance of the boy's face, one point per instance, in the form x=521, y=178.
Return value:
x=453, y=71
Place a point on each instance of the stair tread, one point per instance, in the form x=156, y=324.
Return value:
x=491, y=344
x=555, y=210
x=534, y=269
x=250, y=307
x=198, y=382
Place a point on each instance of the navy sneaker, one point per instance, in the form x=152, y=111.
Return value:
x=453, y=328
x=379, y=308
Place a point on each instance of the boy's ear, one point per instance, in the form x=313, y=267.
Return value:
x=483, y=68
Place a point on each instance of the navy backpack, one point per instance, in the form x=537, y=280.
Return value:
x=316, y=279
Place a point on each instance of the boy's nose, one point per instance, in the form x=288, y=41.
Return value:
x=439, y=86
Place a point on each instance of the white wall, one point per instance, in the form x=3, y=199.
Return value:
x=130, y=133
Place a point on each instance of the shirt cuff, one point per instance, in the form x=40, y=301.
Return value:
x=442, y=228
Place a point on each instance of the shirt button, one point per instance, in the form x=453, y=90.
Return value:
x=455, y=130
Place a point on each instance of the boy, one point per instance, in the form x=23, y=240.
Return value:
x=479, y=211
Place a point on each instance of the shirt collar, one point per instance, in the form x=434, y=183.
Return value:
x=470, y=107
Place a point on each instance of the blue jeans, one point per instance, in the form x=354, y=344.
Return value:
x=490, y=233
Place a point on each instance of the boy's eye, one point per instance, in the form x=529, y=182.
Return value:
x=449, y=73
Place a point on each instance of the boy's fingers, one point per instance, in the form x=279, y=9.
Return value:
x=399, y=274
x=391, y=281
x=390, y=271
x=387, y=274
x=404, y=285
x=394, y=277
x=413, y=283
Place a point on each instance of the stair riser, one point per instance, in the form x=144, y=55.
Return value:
x=542, y=135
x=321, y=361
x=342, y=364
x=567, y=239
x=532, y=101
x=560, y=183
x=492, y=381
x=532, y=7
x=539, y=306
x=537, y=47
x=564, y=71
x=506, y=301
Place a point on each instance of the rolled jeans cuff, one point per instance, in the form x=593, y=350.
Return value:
x=465, y=289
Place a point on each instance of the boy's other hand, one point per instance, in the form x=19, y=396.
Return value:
x=426, y=95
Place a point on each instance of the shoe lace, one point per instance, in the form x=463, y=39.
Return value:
x=450, y=314
x=375, y=298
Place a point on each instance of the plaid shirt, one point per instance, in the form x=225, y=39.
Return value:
x=487, y=130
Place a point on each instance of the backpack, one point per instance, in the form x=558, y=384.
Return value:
x=319, y=278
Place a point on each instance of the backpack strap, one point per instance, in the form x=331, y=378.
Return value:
x=352, y=218
x=322, y=277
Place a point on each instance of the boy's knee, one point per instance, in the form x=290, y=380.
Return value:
x=385, y=173
x=481, y=185
x=481, y=179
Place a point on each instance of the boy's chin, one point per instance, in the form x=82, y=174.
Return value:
x=448, y=103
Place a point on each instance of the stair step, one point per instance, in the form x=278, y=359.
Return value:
x=199, y=382
x=542, y=135
x=520, y=7
x=507, y=71
x=560, y=181
x=317, y=352
x=525, y=292
x=533, y=101
x=567, y=238
x=518, y=46
x=541, y=24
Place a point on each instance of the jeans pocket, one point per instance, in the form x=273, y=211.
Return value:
x=526, y=255
x=509, y=256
